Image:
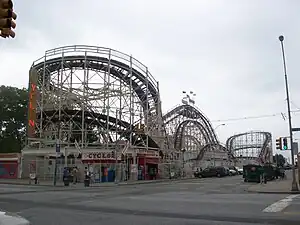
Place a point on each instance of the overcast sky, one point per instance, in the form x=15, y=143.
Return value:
x=226, y=51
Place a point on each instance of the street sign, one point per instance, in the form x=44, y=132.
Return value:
x=295, y=148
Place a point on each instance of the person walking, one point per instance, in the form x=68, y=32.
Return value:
x=74, y=175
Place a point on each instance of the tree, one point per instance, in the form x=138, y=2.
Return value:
x=13, y=111
x=279, y=159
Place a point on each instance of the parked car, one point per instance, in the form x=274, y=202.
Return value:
x=215, y=171
x=287, y=167
x=12, y=219
x=227, y=170
x=236, y=169
x=232, y=172
x=239, y=170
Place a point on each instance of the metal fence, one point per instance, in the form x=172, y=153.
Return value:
x=45, y=169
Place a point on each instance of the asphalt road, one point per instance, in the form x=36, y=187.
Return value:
x=216, y=201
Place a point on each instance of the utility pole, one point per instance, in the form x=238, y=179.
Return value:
x=183, y=163
x=294, y=182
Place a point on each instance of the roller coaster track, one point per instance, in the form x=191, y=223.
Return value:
x=264, y=147
x=191, y=115
x=123, y=128
x=208, y=147
x=131, y=73
x=263, y=154
x=117, y=69
x=180, y=133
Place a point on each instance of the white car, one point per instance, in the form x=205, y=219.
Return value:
x=239, y=170
x=12, y=219
x=232, y=172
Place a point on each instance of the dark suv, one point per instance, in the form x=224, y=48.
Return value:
x=215, y=171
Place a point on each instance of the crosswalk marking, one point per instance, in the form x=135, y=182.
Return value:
x=280, y=205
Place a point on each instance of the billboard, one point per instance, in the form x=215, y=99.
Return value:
x=8, y=169
x=32, y=98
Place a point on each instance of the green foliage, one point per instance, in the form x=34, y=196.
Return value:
x=279, y=159
x=13, y=110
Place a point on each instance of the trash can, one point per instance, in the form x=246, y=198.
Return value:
x=86, y=182
x=252, y=173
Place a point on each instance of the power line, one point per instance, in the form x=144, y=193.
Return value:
x=295, y=105
x=253, y=117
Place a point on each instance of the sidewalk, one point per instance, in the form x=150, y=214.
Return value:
x=275, y=187
x=49, y=183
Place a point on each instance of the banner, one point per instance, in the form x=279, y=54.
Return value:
x=32, y=103
x=98, y=155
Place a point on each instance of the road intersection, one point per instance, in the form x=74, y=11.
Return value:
x=198, y=201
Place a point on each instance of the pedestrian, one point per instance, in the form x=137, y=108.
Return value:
x=91, y=173
x=265, y=178
x=282, y=173
x=74, y=174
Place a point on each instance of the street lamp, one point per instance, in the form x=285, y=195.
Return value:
x=294, y=182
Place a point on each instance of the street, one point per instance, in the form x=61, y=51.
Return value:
x=214, y=201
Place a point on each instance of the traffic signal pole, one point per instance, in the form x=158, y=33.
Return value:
x=294, y=182
x=279, y=143
x=7, y=17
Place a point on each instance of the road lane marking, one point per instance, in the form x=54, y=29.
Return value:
x=280, y=205
x=291, y=213
x=183, y=188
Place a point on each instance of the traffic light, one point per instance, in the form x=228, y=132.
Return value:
x=7, y=17
x=279, y=143
x=285, y=144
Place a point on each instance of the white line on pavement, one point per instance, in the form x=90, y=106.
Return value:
x=280, y=205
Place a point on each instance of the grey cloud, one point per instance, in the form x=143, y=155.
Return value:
x=225, y=51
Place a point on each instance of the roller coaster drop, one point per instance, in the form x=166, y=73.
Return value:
x=92, y=98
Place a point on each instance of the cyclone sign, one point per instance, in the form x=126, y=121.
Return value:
x=98, y=155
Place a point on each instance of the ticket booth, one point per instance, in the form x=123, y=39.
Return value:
x=101, y=165
x=148, y=165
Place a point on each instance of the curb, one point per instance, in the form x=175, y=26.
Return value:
x=30, y=185
x=154, y=182
x=129, y=184
x=274, y=192
x=62, y=187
